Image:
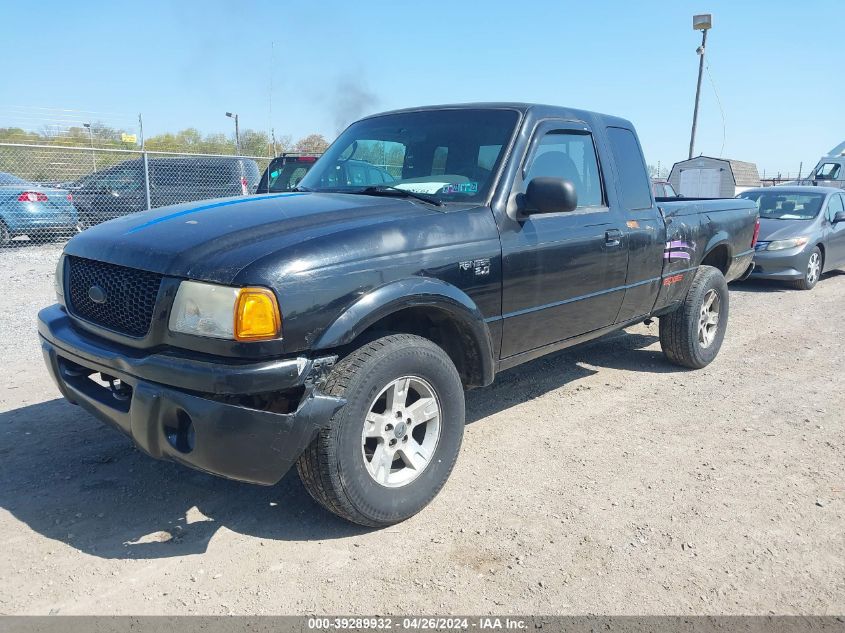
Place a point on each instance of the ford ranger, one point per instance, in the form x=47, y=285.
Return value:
x=336, y=327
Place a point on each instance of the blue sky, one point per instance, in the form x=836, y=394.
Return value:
x=183, y=64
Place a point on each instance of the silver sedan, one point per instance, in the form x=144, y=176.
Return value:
x=802, y=233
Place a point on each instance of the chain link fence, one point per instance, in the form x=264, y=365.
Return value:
x=51, y=192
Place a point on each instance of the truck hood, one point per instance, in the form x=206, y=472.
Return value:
x=214, y=240
x=771, y=230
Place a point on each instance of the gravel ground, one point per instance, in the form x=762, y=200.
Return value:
x=598, y=480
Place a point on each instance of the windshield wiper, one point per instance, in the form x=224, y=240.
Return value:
x=388, y=190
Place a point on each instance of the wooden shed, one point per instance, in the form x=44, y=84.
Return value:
x=707, y=177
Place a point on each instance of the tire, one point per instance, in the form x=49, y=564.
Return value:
x=812, y=271
x=340, y=467
x=681, y=337
x=5, y=236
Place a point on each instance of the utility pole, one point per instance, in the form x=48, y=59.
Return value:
x=146, y=162
x=701, y=23
x=91, y=137
x=232, y=115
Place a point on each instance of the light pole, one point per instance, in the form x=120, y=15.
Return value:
x=701, y=23
x=232, y=115
x=91, y=137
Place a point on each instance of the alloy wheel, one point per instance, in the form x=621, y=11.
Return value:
x=814, y=268
x=401, y=431
x=708, y=321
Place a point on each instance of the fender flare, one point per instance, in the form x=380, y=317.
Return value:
x=721, y=238
x=414, y=292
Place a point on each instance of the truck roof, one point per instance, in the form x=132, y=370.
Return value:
x=537, y=110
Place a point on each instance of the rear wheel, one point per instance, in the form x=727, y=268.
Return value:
x=812, y=272
x=390, y=449
x=692, y=335
x=5, y=236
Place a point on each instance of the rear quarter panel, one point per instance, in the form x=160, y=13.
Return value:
x=694, y=230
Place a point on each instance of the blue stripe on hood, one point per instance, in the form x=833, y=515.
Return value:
x=206, y=207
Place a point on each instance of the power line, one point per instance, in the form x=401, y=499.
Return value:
x=721, y=110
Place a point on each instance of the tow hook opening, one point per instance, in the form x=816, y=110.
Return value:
x=119, y=390
x=180, y=433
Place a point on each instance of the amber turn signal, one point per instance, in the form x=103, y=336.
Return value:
x=257, y=315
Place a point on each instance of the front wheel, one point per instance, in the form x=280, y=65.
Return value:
x=812, y=272
x=692, y=335
x=388, y=451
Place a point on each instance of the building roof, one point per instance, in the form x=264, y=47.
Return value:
x=745, y=174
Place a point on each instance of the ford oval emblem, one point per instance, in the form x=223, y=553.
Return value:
x=97, y=294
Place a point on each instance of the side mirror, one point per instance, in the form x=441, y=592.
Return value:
x=839, y=217
x=550, y=195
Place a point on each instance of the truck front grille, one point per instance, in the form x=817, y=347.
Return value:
x=115, y=297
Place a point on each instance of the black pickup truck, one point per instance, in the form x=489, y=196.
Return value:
x=336, y=327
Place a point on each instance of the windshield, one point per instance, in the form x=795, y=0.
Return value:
x=451, y=154
x=9, y=179
x=786, y=205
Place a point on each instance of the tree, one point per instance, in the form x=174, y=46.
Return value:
x=313, y=143
x=254, y=143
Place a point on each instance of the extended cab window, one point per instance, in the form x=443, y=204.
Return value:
x=633, y=177
x=569, y=155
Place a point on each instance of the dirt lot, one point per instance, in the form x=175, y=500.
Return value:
x=599, y=480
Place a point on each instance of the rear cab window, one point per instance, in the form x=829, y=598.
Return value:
x=829, y=171
x=634, y=187
x=285, y=173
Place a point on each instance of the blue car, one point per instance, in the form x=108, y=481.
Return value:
x=27, y=208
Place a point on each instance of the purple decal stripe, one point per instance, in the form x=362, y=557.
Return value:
x=676, y=255
x=679, y=244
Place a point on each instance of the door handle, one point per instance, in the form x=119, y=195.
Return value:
x=613, y=237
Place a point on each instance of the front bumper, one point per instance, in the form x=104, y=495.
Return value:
x=786, y=265
x=191, y=410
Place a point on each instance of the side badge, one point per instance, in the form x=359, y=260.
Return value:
x=479, y=267
x=673, y=280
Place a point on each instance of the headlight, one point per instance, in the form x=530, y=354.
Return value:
x=243, y=314
x=781, y=245
x=59, y=279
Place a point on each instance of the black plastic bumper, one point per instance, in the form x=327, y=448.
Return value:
x=173, y=407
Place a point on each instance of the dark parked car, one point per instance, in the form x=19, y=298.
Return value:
x=28, y=208
x=802, y=233
x=284, y=172
x=336, y=327
x=120, y=189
